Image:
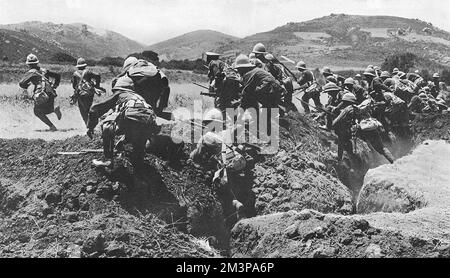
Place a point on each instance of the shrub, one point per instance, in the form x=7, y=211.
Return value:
x=61, y=57
x=112, y=61
x=402, y=61
x=445, y=76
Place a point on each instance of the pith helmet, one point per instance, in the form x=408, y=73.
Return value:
x=369, y=72
x=259, y=48
x=301, y=65
x=331, y=79
x=385, y=74
x=331, y=87
x=349, y=81
x=81, y=63
x=130, y=61
x=213, y=115
x=436, y=75
x=349, y=97
x=269, y=57
x=326, y=71
x=395, y=71
x=242, y=61
x=32, y=60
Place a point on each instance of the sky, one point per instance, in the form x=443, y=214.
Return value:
x=151, y=21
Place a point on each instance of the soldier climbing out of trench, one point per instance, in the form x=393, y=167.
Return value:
x=351, y=124
x=215, y=150
x=44, y=91
x=84, y=83
x=133, y=118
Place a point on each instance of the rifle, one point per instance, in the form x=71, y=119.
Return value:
x=99, y=91
x=201, y=86
x=287, y=69
x=318, y=108
x=81, y=152
x=208, y=95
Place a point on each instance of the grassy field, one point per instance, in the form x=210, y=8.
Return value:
x=18, y=120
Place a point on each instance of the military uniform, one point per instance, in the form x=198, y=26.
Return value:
x=305, y=81
x=134, y=118
x=260, y=87
x=33, y=77
x=84, y=99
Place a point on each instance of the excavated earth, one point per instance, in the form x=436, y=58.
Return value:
x=403, y=210
x=59, y=206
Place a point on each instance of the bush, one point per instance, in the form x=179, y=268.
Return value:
x=147, y=55
x=111, y=61
x=402, y=61
x=197, y=66
x=445, y=76
x=61, y=57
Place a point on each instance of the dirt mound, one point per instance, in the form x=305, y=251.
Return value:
x=416, y=188
x=315, y=235
x=43, y=189
x=298, y=176
x=431, y=127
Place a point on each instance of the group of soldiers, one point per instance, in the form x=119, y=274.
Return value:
x=139, y=93
x=367, y=106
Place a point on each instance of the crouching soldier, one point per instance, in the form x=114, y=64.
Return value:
x=44, y=91
x=215, y=151
x=133, y=118
x=84, y=88
x=350, y=124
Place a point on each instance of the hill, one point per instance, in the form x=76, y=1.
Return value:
x=191, y=45
x=77, y=40
x=338, y=40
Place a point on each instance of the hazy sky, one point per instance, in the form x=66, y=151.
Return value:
x=151, y=21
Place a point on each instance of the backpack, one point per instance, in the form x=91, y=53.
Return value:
x=44, y=90
x=370, y=124
x=85, y=87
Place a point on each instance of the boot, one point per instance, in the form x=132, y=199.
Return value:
x=388, y=155
x=239, y=207
x=58, y=112
x=99, y=163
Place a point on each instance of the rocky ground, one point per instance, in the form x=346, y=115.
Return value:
x=59, y=206
x=412, y=195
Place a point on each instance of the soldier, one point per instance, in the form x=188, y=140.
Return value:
x=149, y=82
x=348, y=125
x=133, y=117
x=215, y=153
x=435, y=87
x=334, y=104
x=351, y=86
x=260, y=87
x=224, y=82
x=310, y=87
x=84, y=88
x=395, y=71
x=260, y=52
x=278, y=72
x=343, y=125
x=44, y=93
x=376, y=88
x=397, y=113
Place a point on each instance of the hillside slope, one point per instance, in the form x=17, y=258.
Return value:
x=340, y=41
x=191, y=45
x=352, y=41
x=75, y=39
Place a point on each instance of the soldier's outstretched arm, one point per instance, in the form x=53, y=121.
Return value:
x=55, y=76
x=100, y=109
x=24, y=83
